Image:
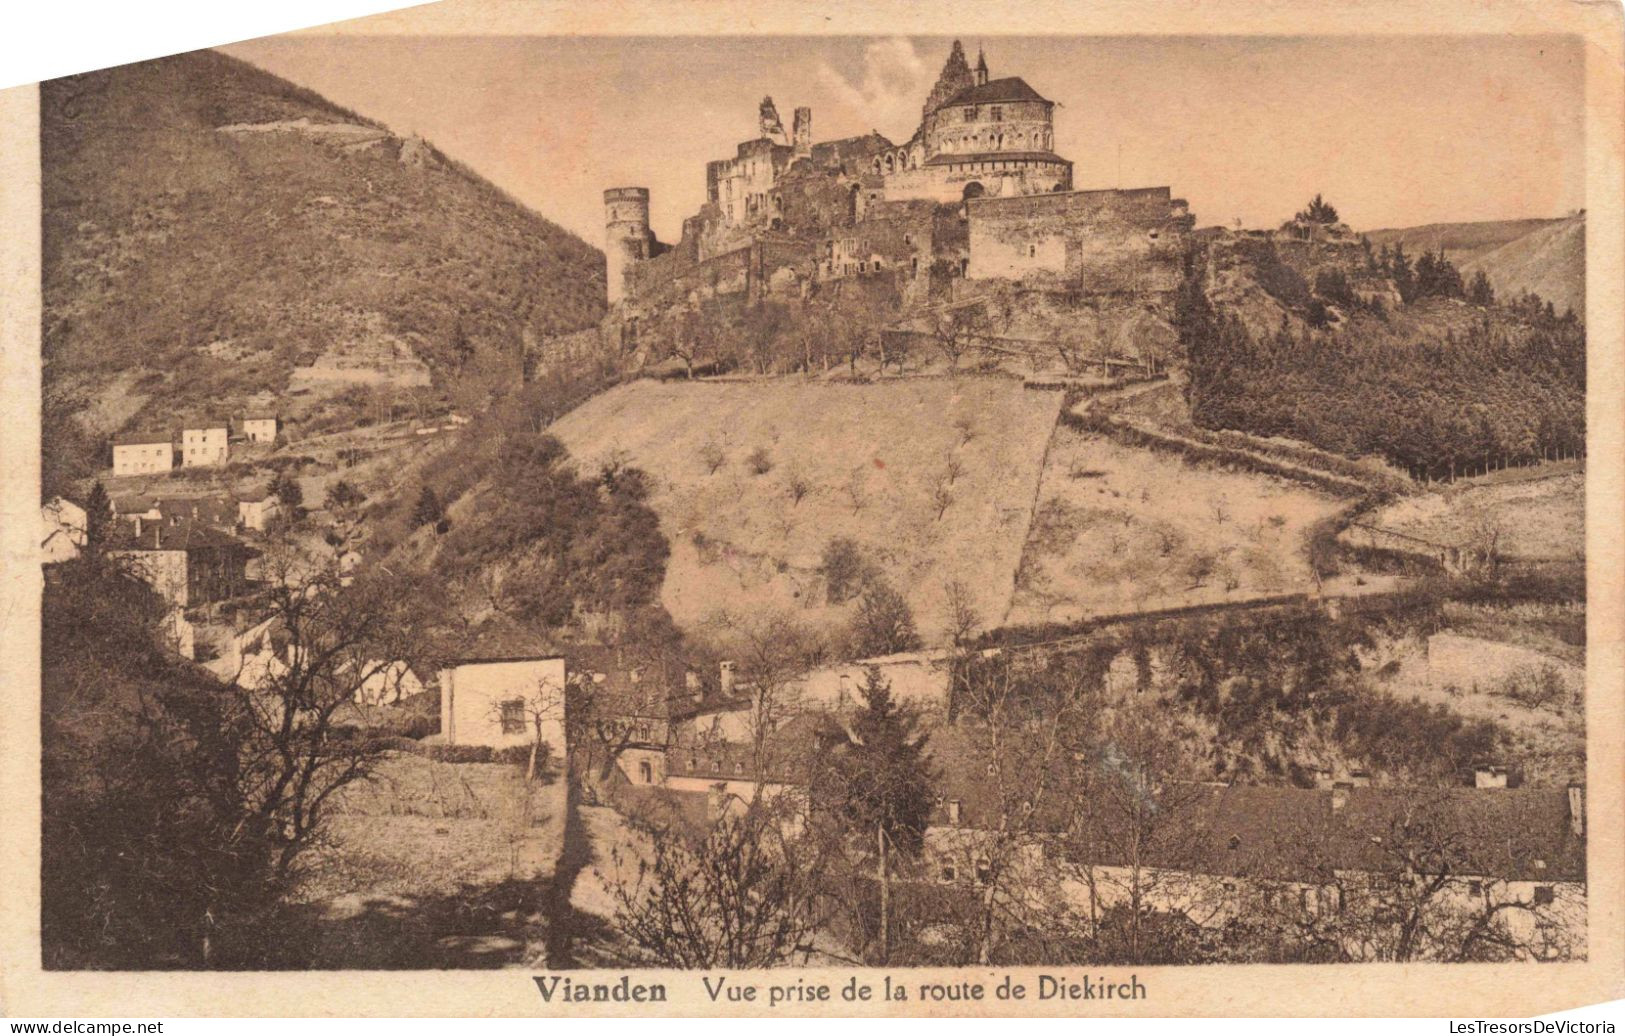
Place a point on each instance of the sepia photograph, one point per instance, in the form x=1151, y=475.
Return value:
x=597, y=504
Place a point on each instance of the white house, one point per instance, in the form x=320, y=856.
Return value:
x=204, y=443
x=259, y=427
x=63, y=530
x=257, y=514
x=502, y=701
x=143, y=453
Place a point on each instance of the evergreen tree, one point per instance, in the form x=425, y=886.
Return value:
x=98, y=516
x=882, y=780
x=883, y=624
x=286, y=489
x=1318, y=211
x=427, y=511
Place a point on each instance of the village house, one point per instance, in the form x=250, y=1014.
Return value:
x=256, y=510
x=204, y=443
x=63, y=531
x=504, y=689
x=1220, y=853
x=143, y=453
x=258, y=427
x=188, y=563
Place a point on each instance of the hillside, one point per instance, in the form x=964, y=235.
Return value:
x=1545, y=256
x=216, y=237
x=873, y=457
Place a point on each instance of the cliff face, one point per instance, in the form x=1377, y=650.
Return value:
x=214, y=234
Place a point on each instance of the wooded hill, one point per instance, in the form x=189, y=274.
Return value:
x=209, y=228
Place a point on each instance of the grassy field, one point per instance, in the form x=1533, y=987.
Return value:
x=1121, y=529
x=1540, y=518
x=430, y=865
x=932, y=477
x=1516, y=666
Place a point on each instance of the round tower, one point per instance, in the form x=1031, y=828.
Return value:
x=626, y=235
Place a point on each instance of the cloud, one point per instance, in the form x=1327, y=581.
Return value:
x=892, y=84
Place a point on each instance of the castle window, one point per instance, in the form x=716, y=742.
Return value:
x=646, y=773
x=950, y=874
x=1032, y=251
x=1544, y=895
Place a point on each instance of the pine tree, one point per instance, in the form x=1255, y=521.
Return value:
x=882, y=780
x=98, y=516
x=427, y=511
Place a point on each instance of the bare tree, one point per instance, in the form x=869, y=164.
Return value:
x=942, y=495
x=713, y=456
x=963, y=619
x=340, y=634
x=797, y=484
x=735, y=896
x=856, y=487
x=541, y=705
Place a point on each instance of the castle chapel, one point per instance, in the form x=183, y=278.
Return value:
x=977, y=192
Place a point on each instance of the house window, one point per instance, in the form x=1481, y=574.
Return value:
x=646, y=773
x=970, y=114
x=998, y=114
x=1544, y=895
x=513, y=716
x=739, y=767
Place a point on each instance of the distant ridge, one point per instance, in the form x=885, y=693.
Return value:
x=1546, y=256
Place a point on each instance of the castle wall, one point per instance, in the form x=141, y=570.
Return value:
x=1004, y=177
x=1100, y=241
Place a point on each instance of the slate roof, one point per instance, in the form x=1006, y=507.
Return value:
x=219, y=511
x=996, y=91
x=996, y=156
x=184, y=535
x=500, y=639
x=1296, y=834
x=143, y=439
x=788, y=753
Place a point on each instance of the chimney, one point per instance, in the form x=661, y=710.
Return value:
x=1577, y=809
x=726, y=679
x=1340, y=795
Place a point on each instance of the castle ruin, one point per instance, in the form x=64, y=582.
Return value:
x=977, y=197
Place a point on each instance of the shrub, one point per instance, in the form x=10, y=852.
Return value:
x=843, y=569
x=760, y=462
x=460, y=753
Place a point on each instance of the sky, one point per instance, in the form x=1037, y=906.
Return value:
x=1394, y=131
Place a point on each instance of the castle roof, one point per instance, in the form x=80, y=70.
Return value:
x=996, y=156
x=1012, y=88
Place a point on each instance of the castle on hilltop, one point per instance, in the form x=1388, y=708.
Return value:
x=977, y=194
